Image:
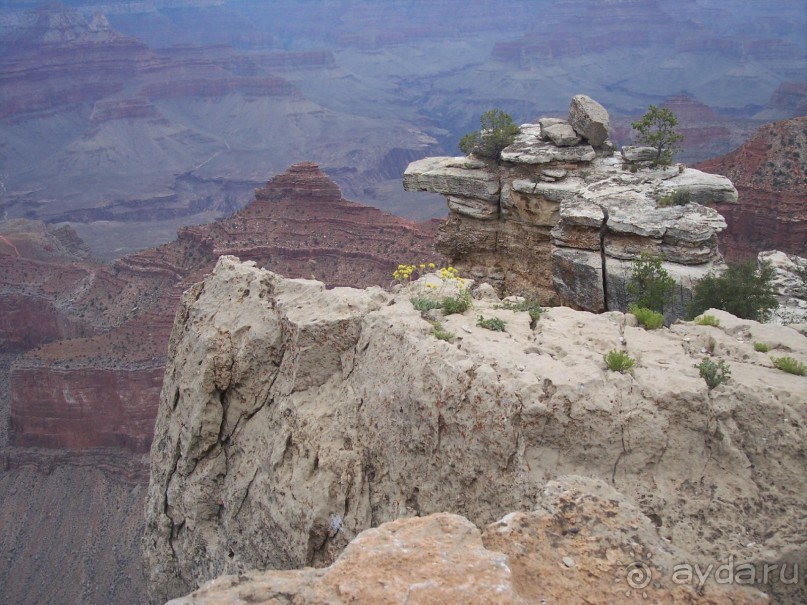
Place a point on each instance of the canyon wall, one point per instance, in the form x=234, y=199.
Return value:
x=294, y=417
x=770, y=173
x=83, y=359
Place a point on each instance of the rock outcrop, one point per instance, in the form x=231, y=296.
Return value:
x=583, y=540
x=566, y=221
x=292, y=418
x=770, y=172
x=790, y=284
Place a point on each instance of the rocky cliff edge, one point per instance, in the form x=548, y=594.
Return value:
x=294, y=417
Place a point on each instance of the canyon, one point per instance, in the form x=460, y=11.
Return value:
x=84, y=354
x=135, y=143
x=770, y=173
x=128, y=120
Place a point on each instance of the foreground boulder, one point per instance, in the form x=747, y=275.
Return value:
x=583, y=541
x=292, y=418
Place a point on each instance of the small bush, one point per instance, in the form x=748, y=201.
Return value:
x=440, y=333
x=530, y=306
x=498, y=132
x=649, y=283
x=457, y=304
x=679, y=197
x=714, y=373
x=651, y=320
x=493, y=323
x=619, y=361
x=761, y=347
x=743, y=289
x=789, y=365
x=707, y=320
x=425, y=304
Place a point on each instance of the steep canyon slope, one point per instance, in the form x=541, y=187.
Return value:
x=770, y=173
x=84, y=353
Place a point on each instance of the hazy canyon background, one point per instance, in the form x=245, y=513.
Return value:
x=124, y=122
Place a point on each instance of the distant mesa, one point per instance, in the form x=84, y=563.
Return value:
x=95, y=334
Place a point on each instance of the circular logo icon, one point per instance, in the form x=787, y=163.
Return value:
x=638, y=575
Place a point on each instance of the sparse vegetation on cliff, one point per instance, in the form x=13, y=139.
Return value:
x=651, y=320
x=656, y=129
x=743, y=289
x=650, y=284
x=619, y=361
x=497, y=132
x=491, y=323
x=789, y=365
x=714, y=373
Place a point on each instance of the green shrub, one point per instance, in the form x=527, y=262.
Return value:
x=761, y=347
x=743, y=289
x=656, y=129
x=497, y=132
x=707, y=320
x=679, y=197
x=619, y=361
x=440, y=333
x=457, y=304
x=714, y=373
x=789, y=365
x=421, y=303
x=649, y=282
x=651, y=320
x=493, y=323
x=530, y=306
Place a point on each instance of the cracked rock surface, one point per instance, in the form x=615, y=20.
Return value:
x=584, y=542
x=293, y=418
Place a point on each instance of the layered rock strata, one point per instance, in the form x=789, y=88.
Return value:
x=292, y=418
x=91, y=337
x=565, y=220
x=770, y=172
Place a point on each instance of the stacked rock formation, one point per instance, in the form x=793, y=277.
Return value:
x=562, y=216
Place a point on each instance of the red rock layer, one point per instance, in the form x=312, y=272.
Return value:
x=770, y=174
x=102, y=330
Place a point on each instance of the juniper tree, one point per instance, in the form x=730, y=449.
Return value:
x=657, y=129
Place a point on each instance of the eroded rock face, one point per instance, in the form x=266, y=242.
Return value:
x=524, y=558
x=552, y=207
x=790, y=282
x=293, y=418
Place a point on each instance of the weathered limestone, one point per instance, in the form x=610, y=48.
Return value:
x=294, y=417
x=577, y=276
x=790, y=282
x=703, y=188
x=589, y=119
x=522, y=559
x=531, y=150
x=631, y=153
x=562, y=135
x=560, y=209
x=458, y=177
